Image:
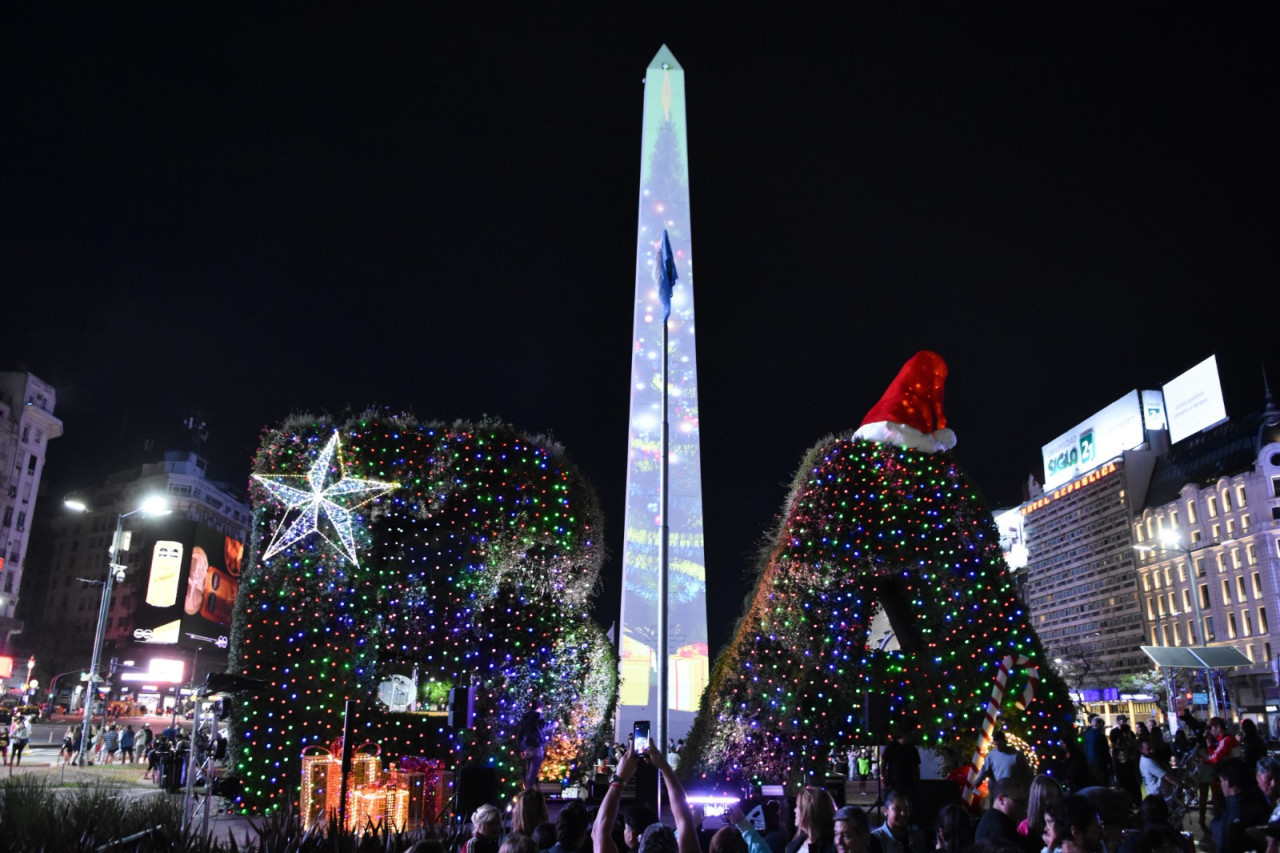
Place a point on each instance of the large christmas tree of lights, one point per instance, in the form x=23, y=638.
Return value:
x=447, y=556
x=880, y=526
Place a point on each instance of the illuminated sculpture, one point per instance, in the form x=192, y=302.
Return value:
x=664, y=206
x=468, y=557
x=881, y=528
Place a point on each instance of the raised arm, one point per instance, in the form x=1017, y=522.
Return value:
x=755, y=841
x=686, y=831
x=607, y=815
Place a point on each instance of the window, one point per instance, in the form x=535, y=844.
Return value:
x=1195, y=536
x=1173, y=519
x=1226, y=591
x=1168, y=576
x=1226, y=500
x=1209, y=636
x=1182, y=572
x=1200, y=562
x=1262, y=626
x=32, y=461
x=1186, y=600
x=1151, y=609
x=1160, y=605
x=1231, y=625
x=1177, y=638
x=1155, y=636
x=8, y=516
x=1146, y=583
x=1164, y=632
x=1191, y=505
x=1204, y=596
x=1231, y=527
x=1217, y=532
x=1244, y=523
x=1240, y=596
x=1257, y=584
x=1155, y=579
x=22, y=521
x=1246, y=623
x=1251, y=554
x=1241, y=502
x=1235, y=558
x=1248, y=650
x=1173, y=607
x=1191, y=634
x=1213, y=506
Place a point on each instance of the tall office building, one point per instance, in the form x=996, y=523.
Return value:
x=664, y=207
x=27, y=425
x=82, y=541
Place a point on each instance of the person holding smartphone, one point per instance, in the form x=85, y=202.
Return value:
x=656, y=836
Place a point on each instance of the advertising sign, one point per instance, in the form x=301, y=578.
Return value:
x=1153, y=410
x=1194, y=400
x=1104, y=436
x=1013, y=540
x=193, y=575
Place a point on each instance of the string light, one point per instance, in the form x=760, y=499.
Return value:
x=480, y=554
x=871, y=527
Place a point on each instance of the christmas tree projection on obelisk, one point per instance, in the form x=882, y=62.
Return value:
x=664, y=206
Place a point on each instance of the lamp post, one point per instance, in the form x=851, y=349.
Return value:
x=115, y=573
x=1170, y=542
x=31, y=664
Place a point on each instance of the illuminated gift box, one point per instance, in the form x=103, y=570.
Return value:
x=369, y=808
x=689, y=675
x=634, y=665
x=414, y=786
x=428, y=785
x=321, y=784
x=366, y=767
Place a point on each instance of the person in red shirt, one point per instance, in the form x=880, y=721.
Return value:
x=1223, y=744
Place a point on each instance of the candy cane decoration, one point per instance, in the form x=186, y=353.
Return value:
x=993, y=711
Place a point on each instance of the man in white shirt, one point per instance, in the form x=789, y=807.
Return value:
x=1157, y=779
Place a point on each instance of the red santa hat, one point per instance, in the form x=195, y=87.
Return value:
x=910, y=412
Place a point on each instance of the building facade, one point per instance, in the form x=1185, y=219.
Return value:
x=27, y=425
x=81, y=549
x=1208, y=548
x=1080, y=585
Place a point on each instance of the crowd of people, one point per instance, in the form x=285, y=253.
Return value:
x=1126, y=791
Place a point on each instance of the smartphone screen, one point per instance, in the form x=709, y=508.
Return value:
x=640, y=734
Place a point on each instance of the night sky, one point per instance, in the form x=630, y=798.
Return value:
x=304, y=209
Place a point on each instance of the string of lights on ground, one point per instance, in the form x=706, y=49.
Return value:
x=460, y=555
x=866, y=526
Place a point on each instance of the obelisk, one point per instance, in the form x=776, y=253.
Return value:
x=664, y=205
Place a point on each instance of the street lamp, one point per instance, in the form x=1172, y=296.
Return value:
x=1169, y=541
x=154, y=505
x=31, y=663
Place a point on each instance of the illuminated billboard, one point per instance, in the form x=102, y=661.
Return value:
x=1194, y=400
x=1013, y=539
x=1110, y=432
x=192, y=575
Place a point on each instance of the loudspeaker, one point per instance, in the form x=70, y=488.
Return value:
x=877, y=713
x=462, y=708
x=476, y=787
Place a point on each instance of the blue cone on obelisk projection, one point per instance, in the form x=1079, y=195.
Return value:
x=664, y=206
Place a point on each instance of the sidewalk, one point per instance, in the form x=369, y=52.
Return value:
x=128, y=778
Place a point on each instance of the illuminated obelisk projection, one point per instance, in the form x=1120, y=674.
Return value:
x=664, y=205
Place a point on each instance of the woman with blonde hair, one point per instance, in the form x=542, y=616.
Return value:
x=815, y=816
x=486, y=828
x=528, y=812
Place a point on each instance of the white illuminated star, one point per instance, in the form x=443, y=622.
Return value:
x=332, y=502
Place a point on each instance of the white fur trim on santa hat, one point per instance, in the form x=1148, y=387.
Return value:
x=887, y=432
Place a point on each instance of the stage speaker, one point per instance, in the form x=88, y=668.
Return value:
x=476, y=787
x=834, y=786
x=877, y=713
x=462, y=708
